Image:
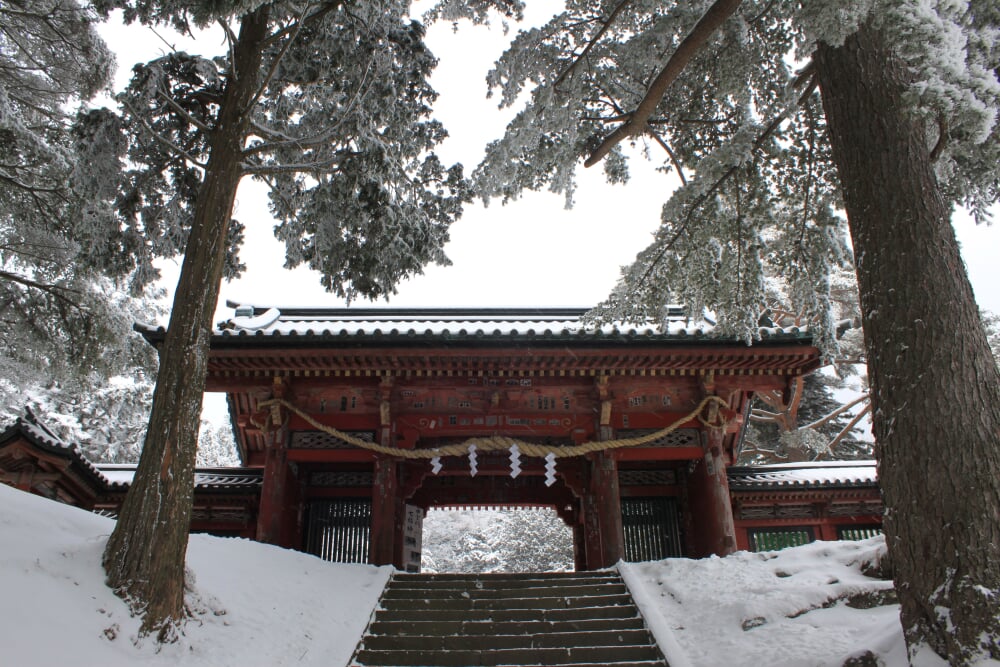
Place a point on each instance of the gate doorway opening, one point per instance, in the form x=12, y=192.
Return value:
x=496, y=539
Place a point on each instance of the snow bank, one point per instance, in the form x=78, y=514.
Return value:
x=255, y=604
x=258, y=605
x=779, y=609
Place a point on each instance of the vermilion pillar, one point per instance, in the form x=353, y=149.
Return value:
x=385, y=492
x=274, y=501
x=602, y=514
x=711, y=504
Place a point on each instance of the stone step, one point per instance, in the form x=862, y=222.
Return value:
x=602, y=655
x=506, y=615
x=497, y=641
x=506, y=603
x=424, y=627
x=507, y=576
x=630, y=663
x=535, y=592
x=507, y=620
x=489, y=582
x=643, y=663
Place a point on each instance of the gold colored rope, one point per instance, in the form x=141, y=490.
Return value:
x=713, y=419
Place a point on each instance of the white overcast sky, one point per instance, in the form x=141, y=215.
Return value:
x=533, y=252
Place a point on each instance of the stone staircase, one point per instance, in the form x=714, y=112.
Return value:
x=579, y=619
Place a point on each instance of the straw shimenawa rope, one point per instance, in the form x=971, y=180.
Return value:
x=710, y=404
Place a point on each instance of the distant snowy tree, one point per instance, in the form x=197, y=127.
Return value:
x=774, y=115
x=106, y=421
x=216, y=446
x=326, y=103
x=104, y=409
x=992, y=323
x=496, y=540
x=821, y=416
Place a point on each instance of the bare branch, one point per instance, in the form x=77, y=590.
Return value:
x=59, y=293
x=183, y=112
x=590, y=44
x=172, y=47
x=836, y=413
x=673, y=157
x=163, y=140
x=758, y=415
x=324, y=166
x=722, y=179
x=843, y=433
x=696, y=39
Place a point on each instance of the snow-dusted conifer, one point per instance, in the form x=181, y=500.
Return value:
x=774, y=115
x=59, y=249
x=329, y=105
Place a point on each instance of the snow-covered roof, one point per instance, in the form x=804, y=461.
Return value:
x=398, y=324
x=36, y=432
x=836, y=474
x=119, y=477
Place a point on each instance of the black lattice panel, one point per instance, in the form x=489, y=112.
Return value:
x=321, y=440
x=341, y=479
x=647, y=477
x=684, y=437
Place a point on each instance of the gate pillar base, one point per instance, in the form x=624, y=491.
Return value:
x=602, y=522
x=385, y=503
x=711, y=505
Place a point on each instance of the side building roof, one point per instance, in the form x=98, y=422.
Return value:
x=804, y=476
x=107, y=478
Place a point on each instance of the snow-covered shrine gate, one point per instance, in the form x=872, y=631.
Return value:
x=414, y=380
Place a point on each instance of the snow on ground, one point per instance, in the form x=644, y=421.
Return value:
x=258, y=605
x=768, y=608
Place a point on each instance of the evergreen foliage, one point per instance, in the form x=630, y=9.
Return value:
x=743, y=129
x=905, y=129
x=329, y=105
x=340, y=133
x=66, y=324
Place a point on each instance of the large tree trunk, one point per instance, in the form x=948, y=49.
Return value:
x=144, y=557
x=935, y=387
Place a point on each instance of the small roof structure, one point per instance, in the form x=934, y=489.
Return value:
x=34, y=457
x=809, y=475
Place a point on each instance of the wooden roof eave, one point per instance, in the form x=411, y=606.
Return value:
x=784, y=359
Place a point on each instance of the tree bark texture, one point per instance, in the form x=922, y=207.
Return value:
x=935, y=386
x=144, y=557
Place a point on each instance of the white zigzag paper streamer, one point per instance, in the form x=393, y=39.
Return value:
x=473, y=463
x=436, y=465
x=515, y=460
x=550, y=469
